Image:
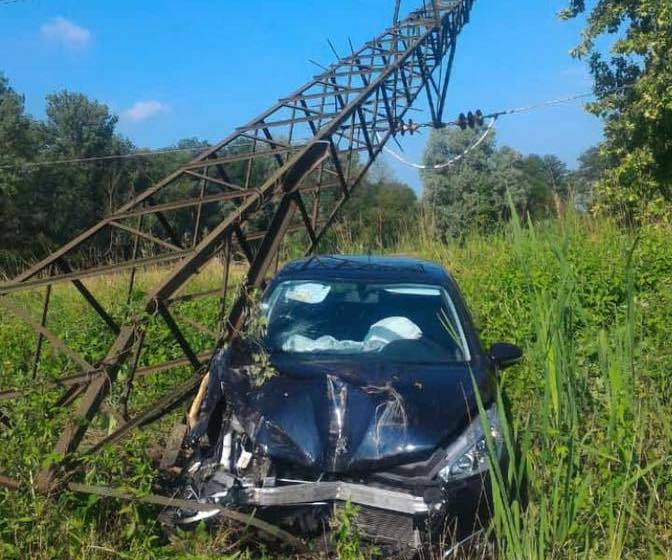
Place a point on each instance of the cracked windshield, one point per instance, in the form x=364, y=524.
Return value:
x=403, y=322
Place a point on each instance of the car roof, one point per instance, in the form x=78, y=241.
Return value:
x=364, y=267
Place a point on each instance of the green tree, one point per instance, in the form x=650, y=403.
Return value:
x=637, y=118
x=459, y=197
x=547, y=183
x=557, y=175
x=591, y=170
x=63, y=199
x=380, y=211
x=17, y=147
x=474, y=192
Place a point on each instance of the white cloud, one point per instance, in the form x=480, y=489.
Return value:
x=66, y=32
x=143, y=110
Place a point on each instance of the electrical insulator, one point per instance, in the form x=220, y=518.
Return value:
x=462, y=121
x=413, y=127
x=480, y=119
x=471, y=120
x=410, y=127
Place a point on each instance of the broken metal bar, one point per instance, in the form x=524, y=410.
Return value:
x=269, y=136
x=199, y=209
x=285, y=122
x=134, y=256
x=83, y=378
x=304, y=216
x=244, y=156
x=153, y=412
x=323, y=94
x=200, y=328
x=179, y=336
x=259, y=267
x=103, y=270
x=169, y=228
x=90, y=298
x=186, y=203
x=214, y=180
x=40, y=336
x=97, y=390
x=145, y=236
x=267, y=141
x=225, y=282
x=244, y=245
x=70, y=396
x=128, y=385
x=194, y=296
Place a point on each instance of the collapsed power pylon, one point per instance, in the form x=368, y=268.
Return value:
x=286, y=172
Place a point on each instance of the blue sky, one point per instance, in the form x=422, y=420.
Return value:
x=175, y=69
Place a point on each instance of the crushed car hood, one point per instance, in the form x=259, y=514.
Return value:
x=340, y=417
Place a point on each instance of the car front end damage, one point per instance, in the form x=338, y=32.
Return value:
x=299, y=447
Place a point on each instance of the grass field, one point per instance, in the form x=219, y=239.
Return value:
x=591, y=404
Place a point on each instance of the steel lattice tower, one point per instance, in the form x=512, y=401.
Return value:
x=288, y=171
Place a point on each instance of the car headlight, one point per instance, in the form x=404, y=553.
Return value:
x=468, y=455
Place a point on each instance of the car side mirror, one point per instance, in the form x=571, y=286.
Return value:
x=505, y=355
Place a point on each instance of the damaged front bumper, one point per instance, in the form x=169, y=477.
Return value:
x=384, y=516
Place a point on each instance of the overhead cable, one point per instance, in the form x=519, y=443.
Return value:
x=493, y=118
x=445, y=164
x=131, y=155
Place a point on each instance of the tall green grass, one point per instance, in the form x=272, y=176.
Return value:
x=588, y=439
x=590, y=407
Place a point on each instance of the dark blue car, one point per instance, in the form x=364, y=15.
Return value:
x=375, y=363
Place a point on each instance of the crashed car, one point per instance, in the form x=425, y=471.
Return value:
x=371, y=367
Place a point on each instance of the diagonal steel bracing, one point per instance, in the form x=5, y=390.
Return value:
x=289, y=169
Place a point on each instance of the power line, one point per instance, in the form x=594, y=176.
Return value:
x=132, y=155
x=534, y=107
x=559, y=101
x=493, y=117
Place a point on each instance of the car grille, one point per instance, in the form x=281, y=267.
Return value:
x=385, y=527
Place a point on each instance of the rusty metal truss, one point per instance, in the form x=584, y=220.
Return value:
x=285, y=173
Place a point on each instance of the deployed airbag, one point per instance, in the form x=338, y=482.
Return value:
x=380, y=334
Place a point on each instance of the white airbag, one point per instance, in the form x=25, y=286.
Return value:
x=380, y=334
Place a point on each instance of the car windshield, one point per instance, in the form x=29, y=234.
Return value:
x=400, y=322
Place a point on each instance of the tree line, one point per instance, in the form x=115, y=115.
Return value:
x=44, y=203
